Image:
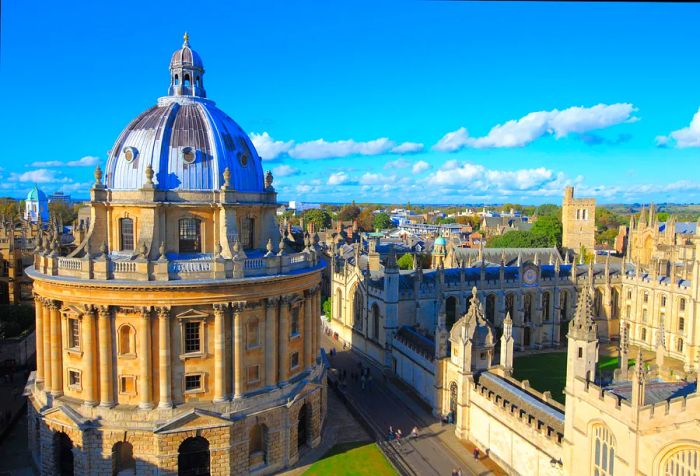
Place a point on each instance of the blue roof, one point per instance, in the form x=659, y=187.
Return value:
x=36, y=195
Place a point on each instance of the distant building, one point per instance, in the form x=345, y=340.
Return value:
x=60, y=197
x=300, y=207
x=36, y=206
x=578, y=222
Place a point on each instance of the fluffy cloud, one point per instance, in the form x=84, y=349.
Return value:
x=38, y=176
x=457, y=175
x=400, y=163
x=520, y=132
x=339, y=178
x=420, y=167
x=87, y=161
x=685, y=137
x=285, y=171
x=407, y=148
x=267, y=147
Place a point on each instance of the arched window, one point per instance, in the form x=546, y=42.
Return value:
x=684, y=461
x=247, y=232
x=126, y=234
x=63, y=454
x=598, y=302
x=646, y=297
x=603, y=452
x=375, y=321
x=545, y=306
x=679, y=345
x=527, y=306
x=510, y=305
x=578, y=214
x=450, y=312
x=681, y=304
x=257, y=448
x=338, y=314
x=357, y=308
x=127, y=340
x=294, y=322
x=193, y=457
x=644, y=334
x=123, y=462
x=453, y=397
x=177, y=80
x=190, y=235
x=563, y=305
x=187, y=81
x=304, y=426
x=615, y=304
x=491, y=308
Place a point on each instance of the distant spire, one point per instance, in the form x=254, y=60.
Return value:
x=583, y=324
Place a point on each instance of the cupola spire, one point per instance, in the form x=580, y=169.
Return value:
x=186, y=72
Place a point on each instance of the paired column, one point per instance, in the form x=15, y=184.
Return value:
x=317, y=324
x=284, y=342
x=238, y=349
x=56, y=350
x=39, y=334
x=271, y=341
x=89, y=387
x=164, y=378
x=146, y=397
x=219, y=353
x=46, y=343
x=105, y=333
x=308, y=328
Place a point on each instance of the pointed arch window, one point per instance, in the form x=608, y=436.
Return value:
x=603, y=454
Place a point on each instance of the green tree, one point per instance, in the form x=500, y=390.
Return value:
x=548, y=209
x=445, y=221
x=349, y=212
x=382, y=221
x=662, y=216
x=328, y=309
x=548, y=228
x=319, y=217
x=406, y=261
x=517, y=239
x=67, y=213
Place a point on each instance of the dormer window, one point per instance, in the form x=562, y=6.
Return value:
x=189, y=154
x=130, y=153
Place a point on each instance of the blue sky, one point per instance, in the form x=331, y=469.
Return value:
x=427, y=101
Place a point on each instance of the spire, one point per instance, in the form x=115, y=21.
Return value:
x=583, y=326
x=507, y=344
x=186, y=39
x=660, y=345
x=391, y=265
x=186, y=72
x=639, y=380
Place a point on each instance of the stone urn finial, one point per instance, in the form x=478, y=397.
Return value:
x=161, y=251
x=236, y=247
x=227, y=178
x=98, y=175
x=281, y=252
x=268, y=180
x=270, y=248
x=149, y=175
x=217, y=249
x=103, y=248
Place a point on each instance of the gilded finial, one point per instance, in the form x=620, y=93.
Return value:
x=186, y=37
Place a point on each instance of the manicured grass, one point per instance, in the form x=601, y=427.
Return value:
x=352, y=459
x=544, y=371
x=548, y=371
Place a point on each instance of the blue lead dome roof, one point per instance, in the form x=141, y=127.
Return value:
x=186, y=139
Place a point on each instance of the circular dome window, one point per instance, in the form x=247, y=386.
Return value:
x=130, y=153
x=243, y=159
x=189, y=154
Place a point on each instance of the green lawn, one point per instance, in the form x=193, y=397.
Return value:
x=352, y=459
x=548, y=371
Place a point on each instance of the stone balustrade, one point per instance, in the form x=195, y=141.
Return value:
x=204, y=266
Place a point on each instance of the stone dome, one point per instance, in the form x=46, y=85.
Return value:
x=440, y=241
x=36, y=195
x=186, y=139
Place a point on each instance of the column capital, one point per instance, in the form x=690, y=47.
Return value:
x=145, y=312
x=238, y=306
x=52, y=304
x=272, y=301
x=104, y=312
x=220, y=308
x=163, y=312
x=90, y=310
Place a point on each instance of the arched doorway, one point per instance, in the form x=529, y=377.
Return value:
x=303, y=427
x=193, y=457
x=453, y=398
x=123, y=462
x=450, y=312
x=63, y=447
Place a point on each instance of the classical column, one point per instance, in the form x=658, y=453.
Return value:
x=271, y=341
x=317, y=325
x=308, y=323
x=146, y=397
x=105, y=339
x=56, y=350
x=39, y=334
x=46, y=343
x=219, y=353
x=238, y=349
x=164, y=375
x=284, y=342
x=89, y=387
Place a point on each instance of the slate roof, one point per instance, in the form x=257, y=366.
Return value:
x=655, y=391
x=419, y=343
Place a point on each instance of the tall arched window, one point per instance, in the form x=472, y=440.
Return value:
x=190, y=235
x=450, y=312
x=545, y=306
x=491, y=308
x=257, y=449
x=684, y=461
x=126, y=234
x=247, y=232
x=615, y=304
x=563, y=305
x=127, y=338
x=681, y=305
x=603, y=452
x=510, y=305
x=123, y=459
x=527, y=307
x=357, y=308
x=598, y=302
x=338, y=314
x=375, y=321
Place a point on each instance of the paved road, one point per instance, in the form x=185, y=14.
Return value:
x=436, y=450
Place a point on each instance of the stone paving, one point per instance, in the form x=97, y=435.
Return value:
x=436, y=450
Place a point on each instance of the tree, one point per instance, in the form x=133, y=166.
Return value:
x=382, y=221
x=662, y=216
x=327, y=309
x=319, y=217
x=445, y=221
x=365, y=220
x=548, y=228
x=548, y=209
x=61, y=209
x=349, y=212
x=406, y=261
x=518, y=239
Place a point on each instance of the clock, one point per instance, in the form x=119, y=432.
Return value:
x=530, y=276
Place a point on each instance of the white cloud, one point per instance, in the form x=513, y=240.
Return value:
x=322, y=149
x=48, y=163
x=267, y=147
x=407, y=148
x=457, y=175
x=87, y=161
x=520, y=132
x=420, y=167
x=400, y=163
x=685, y=137
x=338, y=178
x=285, y=171
x=38, y=176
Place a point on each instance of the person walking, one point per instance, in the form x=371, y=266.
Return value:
x=476, y=453
x=362, y=382
x=398, y=436
x=414, y=432
x=459, y=471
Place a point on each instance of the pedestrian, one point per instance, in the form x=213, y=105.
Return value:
x=454, y=472
x=362, y=382
x=390, y=436
x=414, y=432
x=459, y=471
x=476, y=453
x=398, y=436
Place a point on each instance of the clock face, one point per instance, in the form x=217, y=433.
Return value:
x=530, y=276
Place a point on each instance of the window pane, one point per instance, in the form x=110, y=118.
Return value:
x=189, y=234
x=192, y=338
x=126, y=230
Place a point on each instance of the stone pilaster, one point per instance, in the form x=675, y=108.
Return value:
x=89, y=387
x=219, y=353
x=105, y=339
x=238, y=350
x=283, y=368
x=56, y=349
x=39, y=334
x=271, y=329
x=308, y=323
x=164, y=375
x=46, y=344
x=145, y=380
